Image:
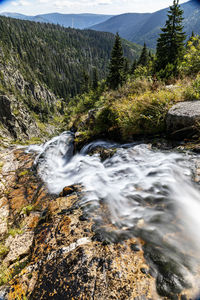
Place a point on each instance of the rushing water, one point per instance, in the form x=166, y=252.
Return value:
x=147, y=193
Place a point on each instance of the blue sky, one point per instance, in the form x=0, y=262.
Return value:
x=32, y=7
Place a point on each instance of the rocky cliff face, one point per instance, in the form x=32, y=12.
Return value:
x=16, y=126
x=25, y=104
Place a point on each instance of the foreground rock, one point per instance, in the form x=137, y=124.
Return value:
x=182, y=119
x=51, y=249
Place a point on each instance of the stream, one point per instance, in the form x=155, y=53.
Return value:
x=139, y=191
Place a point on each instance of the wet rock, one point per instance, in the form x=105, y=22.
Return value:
x=4, y=292
x=68, y=190
x=135, y=247
x=183, y=297
x=103, y=153
x=144, y=270
x=62, y=253
x=170, y=277
x=19, y=246
x=83, y=218
x=169, y=285
x=4, y=214
x=65, y=266
x=182, y=118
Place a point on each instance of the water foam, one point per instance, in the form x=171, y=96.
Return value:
x=147, y=193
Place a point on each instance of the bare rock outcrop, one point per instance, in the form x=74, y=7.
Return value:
x=21, y=125
x=23, y=104
x=182, y=119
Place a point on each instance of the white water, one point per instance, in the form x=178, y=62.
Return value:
x=146, y=192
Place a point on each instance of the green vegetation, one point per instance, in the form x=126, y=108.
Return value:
x=144, y=57
x=137, y=108
x=117, y=98
x=116, y=68
x=15, y=231
x=3, y=250
x=170, y=44
x=1, y=165
x=139, y=104
x=7, y=274
x=23, y=173
x=191, y=61
x=27, y=210
x=31, y=141
x=56, y=56
x=42, y=67
x=95, y=79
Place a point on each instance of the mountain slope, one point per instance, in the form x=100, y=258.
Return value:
x=125, y=24
x=57, y=55
x=79, y=21
x=140, y=28
x=41, y=67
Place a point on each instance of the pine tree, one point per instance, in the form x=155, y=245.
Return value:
x=133, y=67
x=126, y=68
x=150, y=56
x=95, y=79
x=170, y=44
x=85, y=81
x=144, y=57
x=116, y=68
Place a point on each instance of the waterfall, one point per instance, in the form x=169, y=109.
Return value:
x=147, y=193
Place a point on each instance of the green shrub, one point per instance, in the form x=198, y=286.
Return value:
x=15, y=231
x=191, y=63
x=27, y=210
x=168, y=73
x=105, y=119
x=192, y=92
x=5, y=275
x=141, y=72
x=144, y=114
x=3, y=250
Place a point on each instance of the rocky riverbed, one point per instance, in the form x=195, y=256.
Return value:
x=51, y=249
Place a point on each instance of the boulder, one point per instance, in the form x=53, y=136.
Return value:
x=182, y=119
x=67, y=191
x=103, y=152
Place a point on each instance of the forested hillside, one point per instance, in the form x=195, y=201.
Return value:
x=59, y=57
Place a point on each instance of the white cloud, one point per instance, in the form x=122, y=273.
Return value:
x=20, y=3
x=83, y=6
x=43, y=1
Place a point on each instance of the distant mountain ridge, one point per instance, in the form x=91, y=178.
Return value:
x=79, y=21
x=135, y=27
x=140, y=28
